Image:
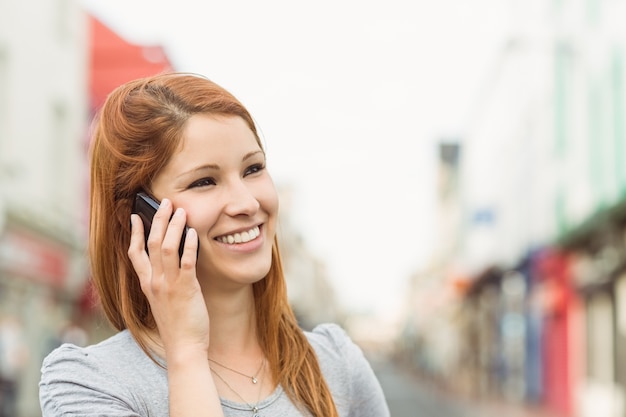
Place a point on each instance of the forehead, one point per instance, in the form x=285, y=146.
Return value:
x=208, y=127
x=214, y=137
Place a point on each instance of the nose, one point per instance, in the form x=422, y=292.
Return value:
x=240, y=199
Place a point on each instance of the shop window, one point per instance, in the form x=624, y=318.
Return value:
x=617, y=92
x=58, y=149
x=4, y=98
x=600, y=365
x=62, y=19
x=620, y=305
x=593, y=11
x=562, y=85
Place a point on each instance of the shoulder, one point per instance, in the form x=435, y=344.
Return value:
x=335, y=349
x=347, y=371
x=106, y=376
x=328, y=337
x=101, y=357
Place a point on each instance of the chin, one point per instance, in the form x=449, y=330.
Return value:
x=243, y=274
x=252, y=276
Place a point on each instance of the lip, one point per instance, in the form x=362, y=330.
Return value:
x=239, y=230
x=243, y=247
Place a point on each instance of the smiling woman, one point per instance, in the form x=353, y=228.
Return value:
x=210, y=332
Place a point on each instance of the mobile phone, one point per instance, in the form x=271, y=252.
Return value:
x=146, y=206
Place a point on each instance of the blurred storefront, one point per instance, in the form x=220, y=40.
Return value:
x=555, y=296
x=598, y=253
x=481, y=312
x=39, y=289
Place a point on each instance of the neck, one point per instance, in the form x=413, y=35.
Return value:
x=233, y=324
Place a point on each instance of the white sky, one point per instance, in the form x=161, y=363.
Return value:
x=351, y=98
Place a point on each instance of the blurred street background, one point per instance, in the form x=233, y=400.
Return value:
x=452, y=178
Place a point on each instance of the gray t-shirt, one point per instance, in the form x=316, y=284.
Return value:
x=115, y=378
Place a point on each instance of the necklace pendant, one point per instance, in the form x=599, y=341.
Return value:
x=254, y=380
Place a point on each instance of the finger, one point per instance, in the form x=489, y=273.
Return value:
x=136, y=234
x=171, y=242
x=137, y=248
x=190, y=251
x=158, y=229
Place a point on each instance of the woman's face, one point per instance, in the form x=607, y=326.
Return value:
x=219, y=177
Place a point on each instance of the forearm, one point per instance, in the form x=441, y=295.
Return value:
x=192, y=390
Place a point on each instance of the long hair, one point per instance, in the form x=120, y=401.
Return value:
x=136, y=132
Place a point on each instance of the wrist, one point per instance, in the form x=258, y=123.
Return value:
x=186, y=355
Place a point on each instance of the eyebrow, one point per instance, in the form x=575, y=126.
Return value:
x=215, y=166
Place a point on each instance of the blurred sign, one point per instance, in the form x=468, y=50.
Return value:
x=30, y=256
x=483, y=216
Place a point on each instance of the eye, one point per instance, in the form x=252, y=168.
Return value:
x=202, y=182
x=253, y=169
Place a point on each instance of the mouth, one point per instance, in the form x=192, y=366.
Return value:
x=242, y=237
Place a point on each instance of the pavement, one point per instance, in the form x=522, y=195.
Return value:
x=487, y=407
x=495, y=408
x=409, y=395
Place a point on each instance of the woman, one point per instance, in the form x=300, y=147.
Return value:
x=210, y=332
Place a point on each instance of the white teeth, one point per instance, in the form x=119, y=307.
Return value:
x=241, y=237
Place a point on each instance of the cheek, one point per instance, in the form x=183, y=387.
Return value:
x=202, y=217
x=269, y=199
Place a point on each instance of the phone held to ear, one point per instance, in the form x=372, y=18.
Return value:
x=146, y=207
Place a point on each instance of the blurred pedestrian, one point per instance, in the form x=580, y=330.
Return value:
x=72, y=333
x=211, y=332
x=13, y=358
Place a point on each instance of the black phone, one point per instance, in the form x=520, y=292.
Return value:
x=146, y=206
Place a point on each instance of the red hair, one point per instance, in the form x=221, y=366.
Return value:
x=136, y=132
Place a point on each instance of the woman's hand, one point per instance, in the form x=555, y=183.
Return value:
x=178, y=307
x=169, y=283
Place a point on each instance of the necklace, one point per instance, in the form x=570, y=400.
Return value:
x=253, y=378
x=253, y=408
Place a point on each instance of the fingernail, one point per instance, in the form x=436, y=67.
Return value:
x=165, y=202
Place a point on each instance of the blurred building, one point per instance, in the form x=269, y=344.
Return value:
x=311, y=293
x=115, y=60
x=540, y=248
x=429, y=335
x=43, y=118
